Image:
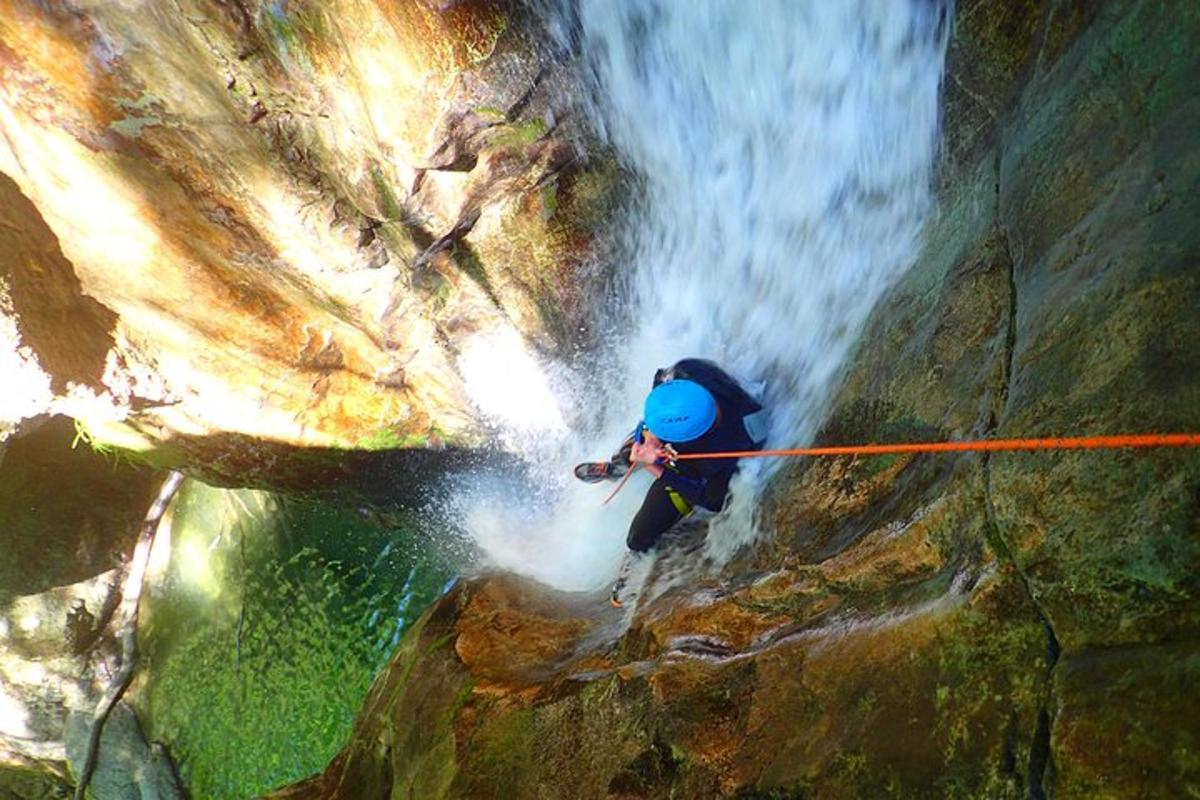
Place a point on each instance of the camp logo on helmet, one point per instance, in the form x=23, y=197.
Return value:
x=680, y=410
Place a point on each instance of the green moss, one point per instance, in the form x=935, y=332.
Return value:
x=467, y=260
x=392, y=208
x=503, y=752
x=21, y=782
x=84, y=434
x=519, y=134
x=440, y=642
x=491, y=112
x=871, y=466
x=798, y=791
x=810, y=588
x=276, y=21
x=119, y=456
x=549, y=201
x=594, y=193
x=990, y=672
x=389, y=439
x=478, y=41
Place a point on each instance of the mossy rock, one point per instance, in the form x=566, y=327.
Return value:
x=69, y=513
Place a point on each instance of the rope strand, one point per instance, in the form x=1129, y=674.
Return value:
x=632, y=468
x=978, y=445
x=968, y=446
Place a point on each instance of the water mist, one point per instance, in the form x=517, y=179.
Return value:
x=785, y=152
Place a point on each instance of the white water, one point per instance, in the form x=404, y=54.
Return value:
x=786, y=149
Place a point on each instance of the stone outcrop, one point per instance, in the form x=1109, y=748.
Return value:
x=1019, y=625
x=62, y=544
x=233, y=226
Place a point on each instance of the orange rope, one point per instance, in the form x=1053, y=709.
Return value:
x=979, y=445
x=975, y=446
x=632, y=467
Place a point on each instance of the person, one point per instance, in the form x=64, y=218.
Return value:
x=693, y=407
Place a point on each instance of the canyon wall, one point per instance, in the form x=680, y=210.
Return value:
x=1013, y=625
x=234, y=229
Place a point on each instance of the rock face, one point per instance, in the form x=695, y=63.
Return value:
x=236, y=224
x=1020, y=625
x=84, y=529
x=58, y=590
x=252, y=238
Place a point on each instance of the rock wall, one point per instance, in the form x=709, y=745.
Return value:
x=278, y=223
x=252, y=238
x=1019, y=625
x=69, y=516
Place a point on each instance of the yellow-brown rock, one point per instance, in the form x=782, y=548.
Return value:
x=278, y=221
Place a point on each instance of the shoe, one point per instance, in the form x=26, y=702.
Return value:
x=628, y=562
x=615, y=467
x=619, y=586
x=594, y=471
x=621, y=458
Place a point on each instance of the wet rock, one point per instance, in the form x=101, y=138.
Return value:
x=1020, y=625
x=69, y=512
x=909, y=695
x=1121, y=725
x=173, y=207
x=128, y=767
x=1104, y=333
x=70, y=515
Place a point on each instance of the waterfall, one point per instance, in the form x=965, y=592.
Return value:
x=785, y=152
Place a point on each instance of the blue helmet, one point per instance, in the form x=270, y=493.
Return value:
x=680, y=411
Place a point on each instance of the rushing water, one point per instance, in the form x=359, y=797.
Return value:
x=785, y=150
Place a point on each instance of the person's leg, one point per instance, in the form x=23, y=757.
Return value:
x=620, y=460
x=658, y=513
x=615, y=467
x=660, y=510
x=629, y=561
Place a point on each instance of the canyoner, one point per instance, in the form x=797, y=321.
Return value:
x=698, y=422
x=693, y=408
x=768, y=223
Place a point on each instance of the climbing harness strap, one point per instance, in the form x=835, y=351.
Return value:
x=681, y=505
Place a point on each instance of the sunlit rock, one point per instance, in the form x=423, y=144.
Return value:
x=276, y=222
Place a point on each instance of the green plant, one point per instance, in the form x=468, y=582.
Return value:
x=117, y=456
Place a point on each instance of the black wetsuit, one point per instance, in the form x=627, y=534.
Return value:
x=702, y=482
